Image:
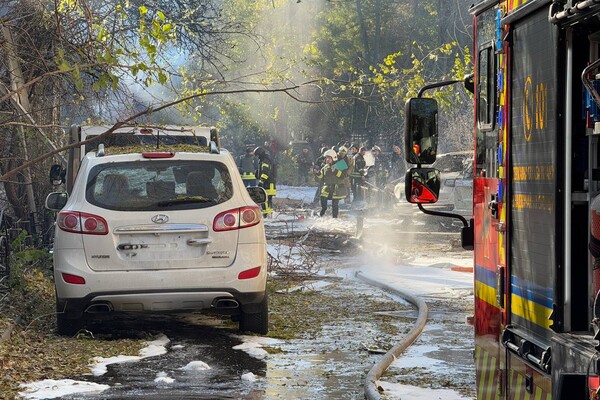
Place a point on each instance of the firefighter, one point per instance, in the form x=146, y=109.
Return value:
x=248, y=165
x=305, y=165
x=266, y=178
x=379, y=172
x=333, y=181
x=397, y=167
x=343, y=155
x=358, y=174
x=377, y=176
x=319, y=163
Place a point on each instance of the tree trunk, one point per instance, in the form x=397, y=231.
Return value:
x=377, y=35
x=363, y=30
x=20, y=96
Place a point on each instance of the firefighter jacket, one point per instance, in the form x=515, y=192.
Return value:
x=247, y=165
x=319, y=163
x=379, y=172
x=267, y=175
x=304, y=162
x=359, y=166
x=397, y=168
x=333, y=183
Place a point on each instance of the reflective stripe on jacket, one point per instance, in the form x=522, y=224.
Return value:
x=334, y=183
x=266, y=176
x=248, y=164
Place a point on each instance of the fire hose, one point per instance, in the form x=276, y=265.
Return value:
x=371, y=388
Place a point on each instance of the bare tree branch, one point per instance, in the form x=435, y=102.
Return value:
x=149, y=110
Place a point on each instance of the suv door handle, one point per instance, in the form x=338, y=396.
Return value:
x=198, y=242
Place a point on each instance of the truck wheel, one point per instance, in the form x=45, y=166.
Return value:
x=256, y=322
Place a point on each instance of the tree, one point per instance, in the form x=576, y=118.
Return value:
x=81, y=61
x=129, y=61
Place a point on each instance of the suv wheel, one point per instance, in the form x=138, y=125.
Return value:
x=68, y=326
x=257, y=322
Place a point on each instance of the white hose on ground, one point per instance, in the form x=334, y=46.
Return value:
x=371, y=390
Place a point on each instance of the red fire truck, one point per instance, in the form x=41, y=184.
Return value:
x=535, y=230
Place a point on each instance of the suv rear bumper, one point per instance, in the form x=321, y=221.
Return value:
x=168, y=280
x=161, y=302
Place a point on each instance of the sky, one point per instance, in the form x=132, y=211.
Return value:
x=435, y=276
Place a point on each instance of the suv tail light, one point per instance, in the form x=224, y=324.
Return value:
x=158, y=154
x=79, y=222
x=237, y=218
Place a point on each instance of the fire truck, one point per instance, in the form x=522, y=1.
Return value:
x=535, y=230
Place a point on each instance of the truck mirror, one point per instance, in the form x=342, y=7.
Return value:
x=422, y=185
x=55, y=201
x=257, y=194
x=421, y=130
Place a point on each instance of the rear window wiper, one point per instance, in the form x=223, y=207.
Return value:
x=186, y=200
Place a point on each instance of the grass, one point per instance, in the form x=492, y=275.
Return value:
x=35, y=352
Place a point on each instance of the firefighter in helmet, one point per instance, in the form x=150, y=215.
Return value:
x=266, y=178
x=247, y=165
x=333, y=184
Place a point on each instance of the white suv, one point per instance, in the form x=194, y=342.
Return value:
x=159, y=232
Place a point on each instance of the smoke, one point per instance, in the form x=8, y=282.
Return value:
x=273, y=58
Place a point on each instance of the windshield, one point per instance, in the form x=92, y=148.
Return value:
x=158, y=185
x=450, y=163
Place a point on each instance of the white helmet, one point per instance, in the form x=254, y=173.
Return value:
x=332, y=154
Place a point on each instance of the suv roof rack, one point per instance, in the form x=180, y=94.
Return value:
x=137, y=137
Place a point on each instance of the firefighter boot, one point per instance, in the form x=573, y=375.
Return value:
x=323, y=206
x=335, y=208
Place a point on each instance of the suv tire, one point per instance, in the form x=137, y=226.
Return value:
x=67, y=326
x=257, y=322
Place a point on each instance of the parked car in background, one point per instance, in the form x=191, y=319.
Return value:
x=456, y=191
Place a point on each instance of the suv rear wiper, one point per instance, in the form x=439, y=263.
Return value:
x=185, y=200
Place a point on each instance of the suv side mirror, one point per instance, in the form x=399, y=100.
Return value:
x=421, y=130
x=422, y=185
x=55, y=201
x=257, y=194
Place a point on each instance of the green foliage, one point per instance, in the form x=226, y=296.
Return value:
x=287, y=171
x=22, y=257
x=238, y=127
x=369, y=57
x=112, y=60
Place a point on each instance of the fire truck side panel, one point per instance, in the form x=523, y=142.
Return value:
x=533, y=174
x=537, y=158
x=525, y=382
x=489, y=353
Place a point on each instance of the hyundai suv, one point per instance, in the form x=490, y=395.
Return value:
x=158, y=232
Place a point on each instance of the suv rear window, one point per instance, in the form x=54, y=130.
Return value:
x=158, y=185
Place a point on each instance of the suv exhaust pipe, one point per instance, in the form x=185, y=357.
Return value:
x=226, y=303
x=98, y=308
